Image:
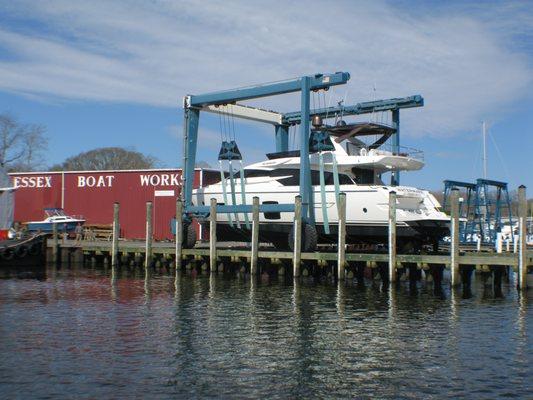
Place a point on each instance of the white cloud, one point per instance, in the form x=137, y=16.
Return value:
x=155, y=52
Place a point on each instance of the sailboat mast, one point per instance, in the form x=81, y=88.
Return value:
x=484, y=151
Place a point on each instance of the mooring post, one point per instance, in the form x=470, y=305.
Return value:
x=297, y=236
x=499, y=242
x=341, y=242
x=255, y=235
x=392, y=236
x=148, y=247
x=116, y=234
x=522, y=242
x=179, y=233
x=213, y=236
x=454, y=248
x=55, y=243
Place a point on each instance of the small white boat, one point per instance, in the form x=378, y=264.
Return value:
x=57, y=216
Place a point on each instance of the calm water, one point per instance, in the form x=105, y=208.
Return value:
x=83, y=333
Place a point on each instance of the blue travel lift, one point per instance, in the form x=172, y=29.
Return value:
x=217, y=102
x=482, y=212
x=466, y=207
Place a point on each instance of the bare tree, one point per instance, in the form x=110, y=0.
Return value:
x=21, y=145
x=107, y=158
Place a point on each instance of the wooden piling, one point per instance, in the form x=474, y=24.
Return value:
x=149, y=238
x=522, y=242
x=55, y=243
x=179, y=233
x=341, y=244
x=213, y=235
x=116, y=234
x=296, y=260
x=454, y=231
x=392, y=236
x=255, y=236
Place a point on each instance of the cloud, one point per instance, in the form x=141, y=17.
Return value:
x=468, y=65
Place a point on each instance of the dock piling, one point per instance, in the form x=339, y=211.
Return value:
x=55, y=241
x=179, y=233
x=255, y=236
x=213, y=235
x=454, y=248
x=116, y=234
x=392, y=236
x=297, y=236
x=341, y=245
x=522, y=242
x=149, y=234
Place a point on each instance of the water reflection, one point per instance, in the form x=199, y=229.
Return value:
x=97, y=334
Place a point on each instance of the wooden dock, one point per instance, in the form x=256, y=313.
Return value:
x=256, y=258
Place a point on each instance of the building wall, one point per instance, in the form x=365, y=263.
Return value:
x=92, y=194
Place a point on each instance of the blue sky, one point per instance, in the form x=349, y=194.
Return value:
x=105, y=73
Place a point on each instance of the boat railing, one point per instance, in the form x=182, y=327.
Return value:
x=387, y=149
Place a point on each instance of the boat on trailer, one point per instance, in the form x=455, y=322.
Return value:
x=352, y=165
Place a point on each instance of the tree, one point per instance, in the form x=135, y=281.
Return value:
x=106, y=158
x=202, y=164
x=21, y=145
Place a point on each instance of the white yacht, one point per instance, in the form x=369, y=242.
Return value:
x=360, y=166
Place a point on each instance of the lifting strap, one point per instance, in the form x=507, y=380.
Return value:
x=335, y=178
x=243, y=194
x=323, y=194
x=320, y=141
x=233, y=194
x=224, y=192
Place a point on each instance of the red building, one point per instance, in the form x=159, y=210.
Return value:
x=91, y=194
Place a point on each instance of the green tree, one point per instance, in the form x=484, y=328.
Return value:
x=107, y=158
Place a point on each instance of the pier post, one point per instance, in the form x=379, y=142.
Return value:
x=179, y=233
x=454, y=231
x=148, y=246
x=522, y=239
x=255, y=235
x=55, y=244
x=213, y=236
x=116, y=234
x=296, y=260
x=341, y=242
x=392, y=236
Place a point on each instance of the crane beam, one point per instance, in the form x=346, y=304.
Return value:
x=366, y=107
x=317, y=82
x=246, y=112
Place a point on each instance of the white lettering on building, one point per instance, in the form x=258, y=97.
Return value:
x=160, y=180
x=32, y=181
x=96, y=181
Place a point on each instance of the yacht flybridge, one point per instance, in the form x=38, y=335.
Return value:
x=331, y=157
x=359, y=167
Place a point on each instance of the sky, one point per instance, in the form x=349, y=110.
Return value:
x=113, y=73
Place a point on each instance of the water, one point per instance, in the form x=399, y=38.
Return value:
x=83, y=333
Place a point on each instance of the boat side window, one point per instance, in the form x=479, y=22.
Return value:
x=363, y=176
x=291, y=177
x=254, y=173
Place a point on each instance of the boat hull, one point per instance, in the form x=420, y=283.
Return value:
x=49, y=226
x=16, y=253
x=367, y=210
x=424, y=231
